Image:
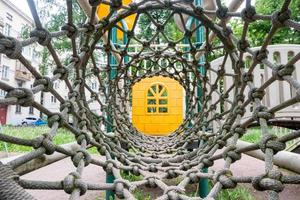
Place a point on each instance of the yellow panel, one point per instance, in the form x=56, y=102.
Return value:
x=157, y=124
x=103, y=10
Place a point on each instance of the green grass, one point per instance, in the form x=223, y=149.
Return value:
x=140, y=195
x=253, y=135
x=62, y=136
x=238, y=193
x=130, y=177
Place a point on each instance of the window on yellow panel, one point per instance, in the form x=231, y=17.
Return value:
x=157, y=99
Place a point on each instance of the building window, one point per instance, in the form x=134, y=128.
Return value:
x=18, y=109
x=94, y=86
x=9, y=16
x=26, y=51
x=31, y=110
x=157, y=99
x=53, y=99
x=56, y=85
x=35, y=55
x=2, y=93
x=7, y=29
x=5, y=72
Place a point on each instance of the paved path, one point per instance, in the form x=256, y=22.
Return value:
x=247, y=166
x=58, y=171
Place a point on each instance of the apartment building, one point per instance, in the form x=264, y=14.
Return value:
x=12, y=22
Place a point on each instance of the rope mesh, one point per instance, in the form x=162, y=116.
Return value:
x=154, y=158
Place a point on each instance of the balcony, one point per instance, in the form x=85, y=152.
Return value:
x=22, y=75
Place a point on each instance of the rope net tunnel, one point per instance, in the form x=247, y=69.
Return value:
x=155, y=159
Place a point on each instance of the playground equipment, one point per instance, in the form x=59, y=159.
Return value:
x=157, y=105
x=124, y=147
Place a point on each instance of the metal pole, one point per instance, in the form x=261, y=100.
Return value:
x=203, y=182
x=110, y=194
x=110, y=178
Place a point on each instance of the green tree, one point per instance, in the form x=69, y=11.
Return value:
x=258, y=30
x=53, y=15
x=147, y=29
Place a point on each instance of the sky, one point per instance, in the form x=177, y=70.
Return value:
x=22, y=5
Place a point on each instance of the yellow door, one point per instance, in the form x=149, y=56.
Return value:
x=157, y=105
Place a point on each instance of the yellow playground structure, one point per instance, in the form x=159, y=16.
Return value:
x=157, y=105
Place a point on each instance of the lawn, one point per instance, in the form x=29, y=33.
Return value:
x=252, y=135
x=63, y=136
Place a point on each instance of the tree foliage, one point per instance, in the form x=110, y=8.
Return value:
x=259, y=29
x=147, y=27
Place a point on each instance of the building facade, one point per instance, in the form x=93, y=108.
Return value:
x=13, y=22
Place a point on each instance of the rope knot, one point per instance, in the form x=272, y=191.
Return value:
x=80, y=155
x=198, y=10
x=84, y=121
x=221, y=143
x=226, y=126
x=239, y=130
x=225, y=96
x=242, y=45
x=240, y=97
x=239, y=110
x=256, y=93
x=133, y=6
x=83, y=136
x=270, y=141
x=72, y=182
x=222, y=12
x=225, y=178
x=90, y=28
x=102, y=150
x=193, y=177
x=246, y=77
x=269, y=181
x=221, y=72
x=46, y=82
x=46, y=142
x=283, y=70
x=62, y=71
x=172, y=192
x=171, y=173
x=260, y=55
x=44, y=37
x=115, y=4
x=11, y=47
x=207, y=162
x=278, y=18
x=231, y=152
x=185, y=165
x=95, y=3
x=135, y=170
x=56, y=117
x=73, y=94
x=262, y=112
x=217, y=116
x=119, y=187
x=24, y=96
x=66, y=105
x=71, y=29
x=248, y=14
x=151, y=182
x=109, y=165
